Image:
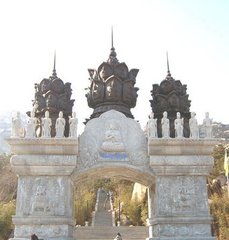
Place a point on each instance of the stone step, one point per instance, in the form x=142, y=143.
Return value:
x=104, y=232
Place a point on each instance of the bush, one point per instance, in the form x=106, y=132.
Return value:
x=6, y=212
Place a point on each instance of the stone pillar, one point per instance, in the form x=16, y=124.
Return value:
x=180, y=202
x=45, y=191
x=150, y=191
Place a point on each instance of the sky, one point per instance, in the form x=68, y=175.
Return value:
x=194, y=32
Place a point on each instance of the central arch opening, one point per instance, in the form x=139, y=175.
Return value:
x=105, y=199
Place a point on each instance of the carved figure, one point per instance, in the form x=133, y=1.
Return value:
x=60, y=125
x=31, y=126
x=73, y=122
x=193, y=125
x=178, y=125
x=113, y=140
x=207, y=123
x=17, y=128
x=152, y=126
x=46, y=125
x=165, y=125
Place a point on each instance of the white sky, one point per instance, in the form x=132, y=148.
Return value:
x=194, y=32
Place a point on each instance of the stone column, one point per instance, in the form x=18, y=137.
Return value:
x=45, y=191
x=180, y=203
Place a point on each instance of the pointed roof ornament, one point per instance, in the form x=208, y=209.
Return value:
x=54, y=75
x=112, y=58
x=168, y=70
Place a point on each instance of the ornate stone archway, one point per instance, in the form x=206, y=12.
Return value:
x=174, y=170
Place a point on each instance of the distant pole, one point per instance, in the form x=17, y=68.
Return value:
x=119, y=210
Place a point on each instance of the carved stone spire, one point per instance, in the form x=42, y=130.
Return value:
x=112, y=87
x=53, y=95
x=170, y=96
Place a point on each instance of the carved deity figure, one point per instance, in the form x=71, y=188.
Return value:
x=193, y=125
x=207, y=123
x=73, y=122
x=46, y=125
x=17, y=127
x=179, y=126
x=31, y=126
x=165, y=125
x=152, y=126
x=113, y=140
x=60, y=125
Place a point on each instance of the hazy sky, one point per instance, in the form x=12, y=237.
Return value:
x=194, y=32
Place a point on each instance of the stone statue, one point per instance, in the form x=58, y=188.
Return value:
x=193, y=125
x=207, y=123
x=178, y=125
x=113, y=140
x=152, y=126
x=46, y=125
x=165, y=125
x=31, y=126
x=17, y=127
x=118, y=237
x=60, y=125
x=73, y=122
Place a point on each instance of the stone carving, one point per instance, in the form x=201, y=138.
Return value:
x=194, y=128
x=178, y=195
x=113, y=139
x=165, y=125
x=73, y=123
x=43, y=196
x=17, y=127
x=207, y=124
x=121, y=140
x=152, y=126
x=60, y=125
x=170, y=96
x=53, y=95
x=31, y=126
x=46, y=125
x=178, y=125
x=112, y=87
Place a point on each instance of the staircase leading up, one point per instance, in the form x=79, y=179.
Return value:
x=109, y=233
x=103, y=224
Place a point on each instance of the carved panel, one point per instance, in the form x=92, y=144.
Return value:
x=45, y=196
x=112, y=137
x=182, y=195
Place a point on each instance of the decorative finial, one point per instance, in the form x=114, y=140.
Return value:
x=112, y=38
x=167, y=56
x=54, y=66
x=112, y=58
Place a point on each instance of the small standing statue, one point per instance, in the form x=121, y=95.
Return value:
x=31, y=126
x=193, y=125
x=152, y=126
x=73, y=123
x=60, y=125
x=207, y=123
x=179, y=126
x=165, y=125
x=17, y=128
x=46, y=125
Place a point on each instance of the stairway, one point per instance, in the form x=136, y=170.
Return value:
x=103, y=224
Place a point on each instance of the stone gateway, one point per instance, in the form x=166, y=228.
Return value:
x=173, y=167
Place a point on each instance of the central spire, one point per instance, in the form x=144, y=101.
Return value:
x=112, y=58
x=54, y=75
